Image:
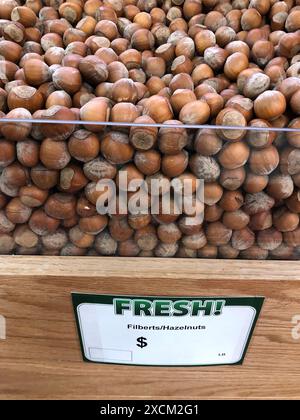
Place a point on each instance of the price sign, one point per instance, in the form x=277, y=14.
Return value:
x=169, y=331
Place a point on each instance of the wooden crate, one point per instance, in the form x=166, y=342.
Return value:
x=41, y=357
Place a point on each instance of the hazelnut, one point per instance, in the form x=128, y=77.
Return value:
x=36, y=72
x=269, y=105
x=71, y=250
x=241, y=104
x=24, y=237
x=181, y=81
x=158, y=108
x=67, y=79
x=83, y=145
x=285, y=220
x=128, y=248
x=282, y=252
x=172, y=140
x=119, y=229
x=184, y=252
x=172, y=213
x=7, y=153
x=25, y=97
x=280, y=186
x=72, y=179
x=207, y=142
x=242, y=239
x=261, y=221
x=293, y=202
x=138, y=221
x=84, y=208
x=214, y=101
x=53, y=154
x=256, y=84
x=238, y=46
x=292, y=238
x=258, y=202
x=231, y=200
x=6, y=225
x=251, y=19
x=260, y=139
x=93, y=69
x=59, y=97
x=116, y=71
x=224, y=35
x=60, y=131
x=17, y=212
x=164, y=250
x=99, y=168
x=7, y=243
x=17, y=132
x=32, y=196
x=227, y=251
x=195, y=112
x=155, y=85
x=105, y=244
x=10, y=51
x=132, y=174
x=180, y=98
x=215, y=57
x=293, y=136
x=24, y=15
x=94, y=224
x=218, y=234
x=116, y=148
x=208, y=251
x=235, y=220
x=289, y=45
x=269, y=239
x=294, y=103
x=195, y=241
x=155, y=66
x=205, y=167
x=235, y=64
x=288, y=87
x=44, y=178
x=60, y=206
x=124, y=112
x=142, y=39
x=187, y=228
x=254, y=253
x=124, y=90
x=148, y=161
x=174, y=165
x=169, y=233
x=146, y=238
x=234, y=155
x=264, y=161
x=262, y=52
x=212, y=193
x=96, y=110
x=232, y=179
x=15, y=175
x=231, y=117
x=255, y=183
x=166, y=52
x=55, y=241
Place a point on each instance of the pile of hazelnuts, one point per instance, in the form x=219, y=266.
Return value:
x=169, y=62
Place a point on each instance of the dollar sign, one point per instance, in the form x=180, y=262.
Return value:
x=142, y=342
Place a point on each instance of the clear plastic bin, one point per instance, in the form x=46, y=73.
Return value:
x=239, y=189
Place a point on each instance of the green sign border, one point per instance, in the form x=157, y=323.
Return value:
x=255, y=302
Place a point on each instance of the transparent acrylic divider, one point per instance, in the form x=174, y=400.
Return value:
x=163, y=190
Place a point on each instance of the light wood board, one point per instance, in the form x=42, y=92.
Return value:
x=41, y=357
